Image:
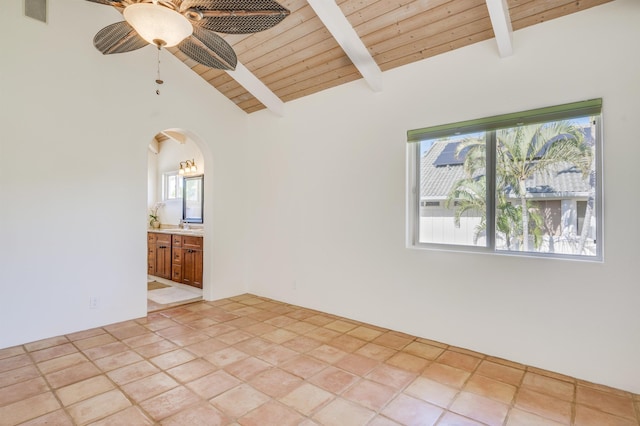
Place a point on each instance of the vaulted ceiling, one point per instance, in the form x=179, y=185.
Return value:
x=323, y=43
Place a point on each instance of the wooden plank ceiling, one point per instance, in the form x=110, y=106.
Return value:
x=299, y=56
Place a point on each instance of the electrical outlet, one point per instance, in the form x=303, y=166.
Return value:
x=93, y=302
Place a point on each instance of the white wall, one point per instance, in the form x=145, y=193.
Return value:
x=74, y=224
x=327, y=220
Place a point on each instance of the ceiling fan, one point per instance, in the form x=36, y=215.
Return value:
x=191, y=25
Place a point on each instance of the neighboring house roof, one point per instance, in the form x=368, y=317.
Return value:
x=440, y=170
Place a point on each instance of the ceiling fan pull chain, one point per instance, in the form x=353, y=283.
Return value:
x=159, y=81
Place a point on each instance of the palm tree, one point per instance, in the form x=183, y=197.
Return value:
x=522, y=152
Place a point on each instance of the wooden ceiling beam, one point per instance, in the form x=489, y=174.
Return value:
x=338, y=25
x=258, y=89
x=502, y=29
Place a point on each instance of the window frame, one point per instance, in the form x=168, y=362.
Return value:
x=165, y=186
x=490, y=125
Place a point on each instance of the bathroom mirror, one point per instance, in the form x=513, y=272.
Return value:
x=192, y=199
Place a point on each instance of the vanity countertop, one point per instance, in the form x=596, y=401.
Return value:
x=198, y=232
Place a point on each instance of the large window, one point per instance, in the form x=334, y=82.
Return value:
x=525, y=183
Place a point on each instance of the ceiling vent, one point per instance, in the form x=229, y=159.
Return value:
x=36, y=9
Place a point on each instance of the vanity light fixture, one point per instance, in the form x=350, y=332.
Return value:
x=187, y=167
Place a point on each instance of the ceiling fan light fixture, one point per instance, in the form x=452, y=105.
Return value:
x=157, y=24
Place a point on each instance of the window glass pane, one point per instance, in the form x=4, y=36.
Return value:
x=172, y=186
x=452, y=189
x=544, y=174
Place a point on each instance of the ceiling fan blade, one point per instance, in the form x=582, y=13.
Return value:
x=118, y=38
x=116, y=3
x=234, y=16
x=209, y=49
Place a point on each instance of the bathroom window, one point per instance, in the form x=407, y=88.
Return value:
x=171, y=186
x=526, y=183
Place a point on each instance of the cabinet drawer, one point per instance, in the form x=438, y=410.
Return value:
x=176, y=257
x=164, y=239
x=189, y=242
x=176, y=273
x=176, y=240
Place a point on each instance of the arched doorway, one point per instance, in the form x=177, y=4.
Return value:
x=177, y=169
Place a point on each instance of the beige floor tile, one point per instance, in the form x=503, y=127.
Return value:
x=519, y=417
x=150, y=386
x=22, y=390
x=544, y=405
x=129, y=416
x=357, y=364
x=369, y=394
x=479, y=408
x=391, y=376
x=500, y=372
x=226, y=357
x=423, y=350
x=199, y=415
x=53, y=352
x=549, y=386
x=85, y=389
x=169, y=403
x=340, y=412
x=277, y=355
x=61, y=362
x=408, y=362
x=98, y=407
x=608, y=402
x=192, y=370
x=118, y=360
x=587, y=416
x=213, y=384
x=172, y=359
x=247, y=368
x=307, y=398
x=452, y=419
x=73, y=374
x=11, y=352
x=239, y=401
x=55, y=418
x=431, y=391
x=29, y=408
x=271, y=413
x=459, y=360
x=304, y=366
x=490, y=388
x=333, y=380
x=133, y=372
x=46, y=343
x=328, y=354
x=412, y=411
x=446, y=374
x=275, y=382
x=18, y=375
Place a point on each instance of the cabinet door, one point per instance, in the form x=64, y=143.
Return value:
x=192, y=267
x=163, y=260
x=151, y=253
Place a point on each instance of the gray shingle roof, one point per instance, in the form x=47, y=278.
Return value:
x=436, y=181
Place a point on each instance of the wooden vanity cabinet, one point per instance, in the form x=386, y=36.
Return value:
x=192, y=261
x=175, y=257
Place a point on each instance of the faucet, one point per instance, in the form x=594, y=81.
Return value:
x=183, y=224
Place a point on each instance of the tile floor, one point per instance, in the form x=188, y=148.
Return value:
x=254, y=361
